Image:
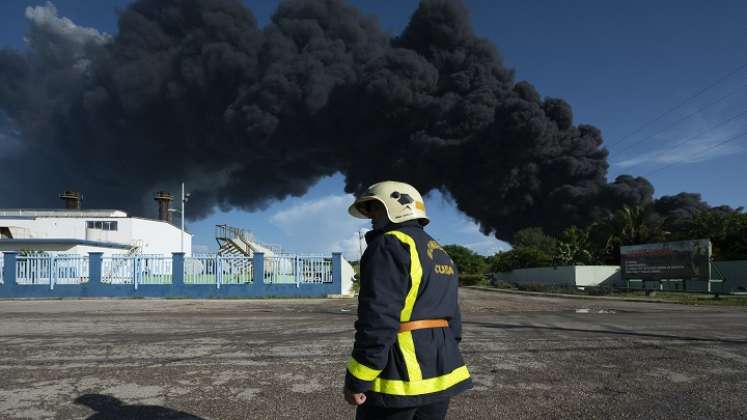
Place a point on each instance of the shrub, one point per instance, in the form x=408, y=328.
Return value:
x=473, y=280
x=598, y=290
x=523, y=257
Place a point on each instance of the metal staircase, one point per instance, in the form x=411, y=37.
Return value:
x=233, y=241
x=136, y=248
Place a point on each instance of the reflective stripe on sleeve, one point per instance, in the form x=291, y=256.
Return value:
x=361, y=371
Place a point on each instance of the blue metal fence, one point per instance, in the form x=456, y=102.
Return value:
x=218, y=270
x=298, y=269
x=169, y=276
x=118, y=269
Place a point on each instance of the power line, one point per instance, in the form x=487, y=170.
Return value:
x=699, y=110
x=686, y=100
x=700, y=133
x=719, y=144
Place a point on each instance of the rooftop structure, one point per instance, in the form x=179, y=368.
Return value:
x=77, y=231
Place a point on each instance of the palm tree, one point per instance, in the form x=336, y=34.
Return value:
x=628, y=226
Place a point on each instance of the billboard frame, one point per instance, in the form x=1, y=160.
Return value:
x=660, y=262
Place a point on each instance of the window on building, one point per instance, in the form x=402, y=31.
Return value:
x=103, y=225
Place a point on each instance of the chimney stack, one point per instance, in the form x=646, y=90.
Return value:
x=71, y=199
x=164, y=200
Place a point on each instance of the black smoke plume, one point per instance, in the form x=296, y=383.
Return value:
x=194, y=90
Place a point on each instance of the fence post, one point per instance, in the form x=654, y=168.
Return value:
x=52, y=271
x=298, y=273
x=337, y=271
x=259, y=269
x=218, y=271
x=94, y=268
x=9, y=271
x=177, y=269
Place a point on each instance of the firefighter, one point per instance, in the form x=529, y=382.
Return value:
x=406, y=362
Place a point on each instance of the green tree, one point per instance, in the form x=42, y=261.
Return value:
x=574, y=248
x=726, y=230
x=734, y=244
x=466, y=260
x=534, y=237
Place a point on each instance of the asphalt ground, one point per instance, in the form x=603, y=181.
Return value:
x=530, y=358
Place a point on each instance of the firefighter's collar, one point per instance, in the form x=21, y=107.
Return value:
x=373, y=234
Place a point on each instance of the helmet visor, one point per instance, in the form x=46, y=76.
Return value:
x=363, y=206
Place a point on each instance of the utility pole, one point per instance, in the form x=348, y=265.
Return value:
x=184, y=200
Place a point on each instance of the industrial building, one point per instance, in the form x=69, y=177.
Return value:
x=72, y=230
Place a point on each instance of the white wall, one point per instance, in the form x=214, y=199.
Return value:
x=65, y=249
x=734, y=274
x=566, y=276
x=159, y=237
x=595, y=275
x=156, y=237
x=49, y=227
x=551, y=276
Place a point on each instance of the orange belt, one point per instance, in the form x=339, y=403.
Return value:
x=422, y=324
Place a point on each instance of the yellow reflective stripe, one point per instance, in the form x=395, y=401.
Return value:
x=406, y=343
x=423, y=386
x=407, y=346
x=361, y=371
x=416, y=274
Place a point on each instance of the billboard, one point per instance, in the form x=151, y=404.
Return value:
x=667, y=260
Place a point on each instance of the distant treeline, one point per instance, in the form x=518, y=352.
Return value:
x=600, y=242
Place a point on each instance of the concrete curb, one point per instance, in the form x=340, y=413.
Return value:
x=569, y=296
x=345, y=296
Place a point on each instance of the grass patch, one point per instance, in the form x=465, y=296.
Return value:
x=690, y=298
x=673, y=297
x=544, y=288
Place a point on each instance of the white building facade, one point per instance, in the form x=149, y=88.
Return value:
x=73, y=231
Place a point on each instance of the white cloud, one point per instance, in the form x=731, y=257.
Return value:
x=352, y=247
x=468, y=227
x=58, y=41
x=695, y=141
x=327, y=207
x=321, y=225
x=471, y=237
x=686, y=153
x=489, y=246
x=46, y=17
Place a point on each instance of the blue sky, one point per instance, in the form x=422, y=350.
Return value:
x=621, y=65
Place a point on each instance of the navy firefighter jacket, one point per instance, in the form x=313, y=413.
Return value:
x=405, y=275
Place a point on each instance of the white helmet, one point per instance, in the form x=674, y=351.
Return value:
x=401, y=201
